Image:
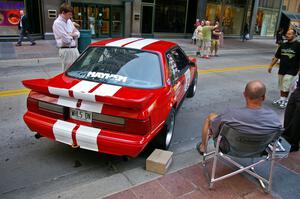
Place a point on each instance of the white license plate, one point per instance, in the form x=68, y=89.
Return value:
x=81, y=115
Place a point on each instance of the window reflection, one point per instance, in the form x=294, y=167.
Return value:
x=170, y=16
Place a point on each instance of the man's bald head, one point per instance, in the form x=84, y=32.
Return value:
x=255, y=90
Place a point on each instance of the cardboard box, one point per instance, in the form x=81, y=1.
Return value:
x=159, y=161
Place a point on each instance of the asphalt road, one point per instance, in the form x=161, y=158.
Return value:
x=31, y=168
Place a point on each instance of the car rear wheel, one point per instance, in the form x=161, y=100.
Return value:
x=164, y=138
x=193, y=87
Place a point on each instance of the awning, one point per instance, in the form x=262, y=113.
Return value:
x=292, y=16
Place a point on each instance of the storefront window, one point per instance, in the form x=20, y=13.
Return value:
x=266, y=18
x=232, y=18
x=10, y=17
x=170, y=16
x=102, y=20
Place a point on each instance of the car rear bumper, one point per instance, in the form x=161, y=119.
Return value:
x=85, y=137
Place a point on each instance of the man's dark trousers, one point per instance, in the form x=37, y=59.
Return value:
x=292, y=120
x=24, y=33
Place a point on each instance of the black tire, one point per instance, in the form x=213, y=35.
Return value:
x=193, y=87
x=164, y=137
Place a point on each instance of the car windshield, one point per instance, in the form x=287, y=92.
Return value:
x=118, y=66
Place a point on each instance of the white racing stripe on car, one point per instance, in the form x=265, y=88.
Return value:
x=81, y=90
x=66, y=101
x=106, y=90
x=63, y=131
x=91, y=106
x=87, y=137
x=187, y=75
x=58, y=91
x=122, y=42
x=141, y=43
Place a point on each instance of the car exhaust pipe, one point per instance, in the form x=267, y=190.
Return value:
x=38, y=136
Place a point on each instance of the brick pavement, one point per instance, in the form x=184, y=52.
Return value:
x=191, y=182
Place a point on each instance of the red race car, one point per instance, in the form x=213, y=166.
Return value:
x=115, y=98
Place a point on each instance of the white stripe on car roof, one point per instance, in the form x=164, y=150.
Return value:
x=122, y=42
x=141, y=43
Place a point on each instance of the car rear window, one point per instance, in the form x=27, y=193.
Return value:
x=118, y=66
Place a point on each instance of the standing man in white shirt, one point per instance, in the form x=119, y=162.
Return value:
x=65, y=35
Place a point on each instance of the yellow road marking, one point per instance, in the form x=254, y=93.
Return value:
x=230, y=69
x=14, y=92
x=23, y=91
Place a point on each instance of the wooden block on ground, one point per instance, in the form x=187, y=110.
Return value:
x=159, y=161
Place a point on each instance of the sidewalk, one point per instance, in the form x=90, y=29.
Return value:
x=45, y=51
x=191, y=182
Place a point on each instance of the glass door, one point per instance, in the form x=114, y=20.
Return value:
x=116, y=23
x=147, y=19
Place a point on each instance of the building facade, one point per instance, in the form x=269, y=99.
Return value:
x=148, y=18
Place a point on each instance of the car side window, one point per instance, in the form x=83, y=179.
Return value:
x=173, y=69
x=180, y=59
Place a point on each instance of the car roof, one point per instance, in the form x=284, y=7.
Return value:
x=155, y=45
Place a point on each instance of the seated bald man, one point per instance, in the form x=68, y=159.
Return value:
x=251, y=118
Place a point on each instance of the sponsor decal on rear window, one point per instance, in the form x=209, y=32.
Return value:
x=107, y=76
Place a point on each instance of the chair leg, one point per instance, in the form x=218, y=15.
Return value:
x=205, y=154
x=213, y=171
x=271, y=168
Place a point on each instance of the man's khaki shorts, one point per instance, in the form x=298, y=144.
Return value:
x=285, y=82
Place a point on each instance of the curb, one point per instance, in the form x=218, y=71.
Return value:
x=26, y=62
x=56, y=60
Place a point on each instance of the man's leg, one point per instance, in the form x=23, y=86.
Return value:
x=217, y=47
x=30, y=38
x=292, y=120
x=21, y=37
x=205, y=128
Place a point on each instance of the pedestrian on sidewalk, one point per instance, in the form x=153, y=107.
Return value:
x=289, y=55
x=251, y=118
x=65, y=35
x=23, y=27
x=245, y=35
x=199, y=38
x=215, y=40
x=194, y=37
x=292, y=119
x=206, y=34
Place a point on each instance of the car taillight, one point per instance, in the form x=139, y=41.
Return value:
x=45, y=108
x=108, y=119
x=130, y=126
x=51, y=107
x=139, y=127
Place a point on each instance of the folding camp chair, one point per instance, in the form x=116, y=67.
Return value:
x=243, y=145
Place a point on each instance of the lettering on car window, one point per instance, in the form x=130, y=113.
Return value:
x=107, y=76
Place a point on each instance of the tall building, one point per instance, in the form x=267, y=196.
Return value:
x=151, y=18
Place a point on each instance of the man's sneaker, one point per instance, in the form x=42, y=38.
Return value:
x=277, y=102
x=283, y=104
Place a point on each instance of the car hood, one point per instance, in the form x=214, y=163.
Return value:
x=64, y=86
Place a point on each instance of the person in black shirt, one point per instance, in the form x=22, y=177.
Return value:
x=292, y=119
x=289, y=55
